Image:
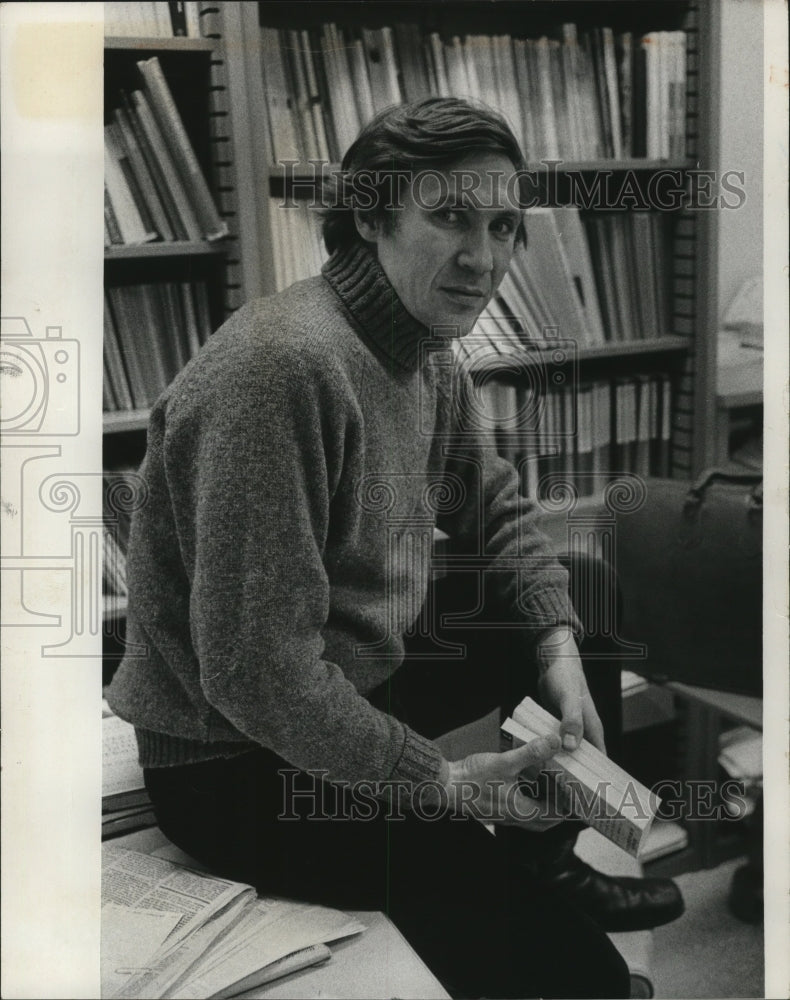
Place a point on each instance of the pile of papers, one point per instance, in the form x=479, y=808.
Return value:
x=170, y=931
x=125, y=805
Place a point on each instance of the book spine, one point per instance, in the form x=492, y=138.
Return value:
x=181, y=149
x=147, y=186
x=178, y=18
x=110, y=221
x=172, y=181
x=127, y=214
x=439, y=65
x=122, y=155
x=192, y=17
x=610, y=72
x=114, y=361
x=123, y=314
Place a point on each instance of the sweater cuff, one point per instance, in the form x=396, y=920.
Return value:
x=420, y=759
x=553, y=610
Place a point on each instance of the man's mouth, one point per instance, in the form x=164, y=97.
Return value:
x=468, y=295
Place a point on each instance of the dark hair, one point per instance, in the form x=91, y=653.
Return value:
x=430, y=134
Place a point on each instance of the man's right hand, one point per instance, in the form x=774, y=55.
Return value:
x=486, y=785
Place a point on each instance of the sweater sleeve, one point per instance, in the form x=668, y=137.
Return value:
x=251, y=489
x=500, y=525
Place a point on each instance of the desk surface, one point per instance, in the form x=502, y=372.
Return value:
x=378, y=964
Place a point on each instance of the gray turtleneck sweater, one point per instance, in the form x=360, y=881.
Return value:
x=296, y=468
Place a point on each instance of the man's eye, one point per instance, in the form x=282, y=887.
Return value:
x=504, y=227
x=449, y=215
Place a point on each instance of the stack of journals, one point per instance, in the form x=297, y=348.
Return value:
x=152, y=20
x=154, y=187
x=170, y=931
x=125, y=804
x=600, y=793
x=578, y=95
x=150, y=332
x=589, y=433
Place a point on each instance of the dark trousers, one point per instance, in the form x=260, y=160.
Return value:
x=478, y=919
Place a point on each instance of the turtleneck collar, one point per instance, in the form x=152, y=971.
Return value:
x=359, y=280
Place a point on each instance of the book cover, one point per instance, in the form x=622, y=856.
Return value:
x=548, y=263
x=439, y=67
x=172, y=181
x=457, y=81
x=282, y=127
x=114, y=360
x=624, y=43
x=414, y=73
x=359, y=76
x=146, y=182
x=612, y=91
x=600, y=793
x=545, y=92
x=125, y=209
x=121, y=154
x=572, y=235
x=297, y=87
x=180, y=147
x=123, y=313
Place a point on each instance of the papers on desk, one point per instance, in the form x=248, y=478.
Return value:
x=169, y=931
x=125, y=804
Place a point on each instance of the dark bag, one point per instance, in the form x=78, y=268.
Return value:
x=689, y=563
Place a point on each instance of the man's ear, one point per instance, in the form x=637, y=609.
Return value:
x=368, y=226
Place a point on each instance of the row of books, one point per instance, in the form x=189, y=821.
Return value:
x=587, y=434
x=150, y=332
x=154, y=186
x=579, y=96
x=152, y=20
x=297, y=244
x=595, y=279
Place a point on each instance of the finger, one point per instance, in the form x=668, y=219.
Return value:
x=512, y=762
x=593, y=728
x=572, y=724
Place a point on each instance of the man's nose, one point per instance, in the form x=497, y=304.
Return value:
x=475, y=254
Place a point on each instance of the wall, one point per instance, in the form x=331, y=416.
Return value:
x=741, y=142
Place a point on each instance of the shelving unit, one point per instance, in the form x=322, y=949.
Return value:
x=218, y=83
x=198, y=75
x=686, y=350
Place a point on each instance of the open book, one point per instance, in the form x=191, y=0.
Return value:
x=170, y=931
x=597, y=791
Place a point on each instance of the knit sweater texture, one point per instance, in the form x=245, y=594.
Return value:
x=295, y=471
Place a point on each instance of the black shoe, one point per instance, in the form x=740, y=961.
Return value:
x=617, y=904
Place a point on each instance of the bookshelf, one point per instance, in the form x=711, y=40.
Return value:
x=191, y=282
x=682, y=347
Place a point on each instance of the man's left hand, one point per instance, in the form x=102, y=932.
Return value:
x=563, y=690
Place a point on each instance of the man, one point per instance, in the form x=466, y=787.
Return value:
x=293, y=468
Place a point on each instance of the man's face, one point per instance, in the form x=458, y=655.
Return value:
x=453, y=240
